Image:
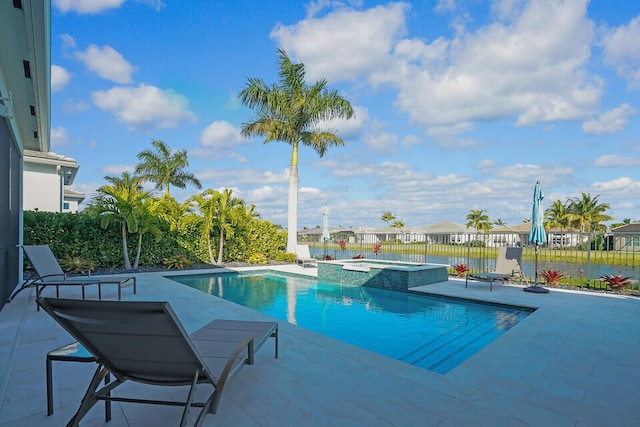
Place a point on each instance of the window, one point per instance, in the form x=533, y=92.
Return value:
x=27, y=69
x=17, y=4
x=65, y=206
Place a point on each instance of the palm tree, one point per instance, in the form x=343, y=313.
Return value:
x=204, y=203
x=148, y=222
x=499, y=222
x=556, y=216
x=479, y=220
x=587, y=214
x=292, y=112
x=228, y=211
x=121, y=201
x=165, y=168
x=388, y=217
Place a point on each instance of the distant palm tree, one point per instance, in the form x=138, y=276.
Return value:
x=499, y=222
x=165, y=168
x=121, y=201
x=478, y=220
x=556, y=216
x=587, y=214
x=388, y=217
x=291, y=112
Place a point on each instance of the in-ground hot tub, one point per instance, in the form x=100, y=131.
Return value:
x=392, y=275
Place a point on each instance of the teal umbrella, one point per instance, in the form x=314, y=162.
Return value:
x=537, y=236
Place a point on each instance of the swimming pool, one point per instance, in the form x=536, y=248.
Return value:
x=434, y=333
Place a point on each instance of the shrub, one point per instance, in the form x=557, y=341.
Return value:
x=358, y=256
x=177, y=262
x=617, y=283
x=77, y=264
x=285, y=257
x=461, y=269
x=258, y=259
x=552, y=277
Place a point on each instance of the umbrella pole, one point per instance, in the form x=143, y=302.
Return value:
x=536, y=288
x=536, y=284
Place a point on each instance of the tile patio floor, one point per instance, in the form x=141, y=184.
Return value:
x=574, y=362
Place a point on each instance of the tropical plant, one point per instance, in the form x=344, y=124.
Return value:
x=388, y=217
x=551, y=277
x=376, y=248
x=204, y=217
x=556, y=216
x=587, y=214
x=478, y=220
x=228, y=211
x=148, y=222
x=293, y=112
x=121, y=202
x=499, y=222
x=616, y=282
x=77, y=264
x=165, y=168
x=398, y=224
x=460, y=269
x=177, y=262
x=358, y=256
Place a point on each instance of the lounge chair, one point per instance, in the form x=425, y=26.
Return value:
x=143, y=341
x=49, y=273
x=508, y=264
x=303, y=256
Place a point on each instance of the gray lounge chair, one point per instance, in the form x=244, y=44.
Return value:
x=508, y=265
x=49, y=273
x=303, y=256
x=144, y=342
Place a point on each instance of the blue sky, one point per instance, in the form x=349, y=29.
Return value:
x=459, y=105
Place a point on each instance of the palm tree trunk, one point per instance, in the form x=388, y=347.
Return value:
x=211, y=259
x=221, y=246
x=137, y=261
x=292, y=223
x=127, y=263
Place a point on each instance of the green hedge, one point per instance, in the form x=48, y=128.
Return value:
x=80, y=234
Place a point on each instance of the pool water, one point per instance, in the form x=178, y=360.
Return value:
x=434, y=333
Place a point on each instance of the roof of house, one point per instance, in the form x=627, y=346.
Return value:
x=69, y=165
x=634, y=227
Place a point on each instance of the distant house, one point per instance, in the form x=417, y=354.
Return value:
x=46, y=180
x=515, y=235
x=627, y=237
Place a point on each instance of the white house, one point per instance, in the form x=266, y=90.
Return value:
x=25, y=124
x=46, y=180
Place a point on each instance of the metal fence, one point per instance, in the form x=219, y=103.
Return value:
x=582, y=257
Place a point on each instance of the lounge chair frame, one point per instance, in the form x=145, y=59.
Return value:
x=49, y=273
x=144, y=342
x=508, y=265
x=303, y=256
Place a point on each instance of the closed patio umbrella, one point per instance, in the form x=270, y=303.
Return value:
x=537, y=236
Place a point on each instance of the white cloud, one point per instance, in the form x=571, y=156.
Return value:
x=59, y=78
x=68, y=42
x=623, y=187
x=512, y=67
x=116, y=170
x=59, y=137
x=144, y=107
x=82, y=7
x=610, y=121
x=107, y=63
x=621, y=51
x=220, y=140
x=616, y=161
x=72, y=107
x=381, y=142
x=346, y=43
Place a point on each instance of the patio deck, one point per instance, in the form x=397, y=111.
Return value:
x=574, y=362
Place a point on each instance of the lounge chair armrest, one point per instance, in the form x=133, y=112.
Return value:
x=231, y=362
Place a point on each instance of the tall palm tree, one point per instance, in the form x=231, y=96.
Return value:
x=148, y=222
x=478, y=220
x=292, y=112
x=165, y=168
x=587, y=214
x=121, y=201
x=556, y=216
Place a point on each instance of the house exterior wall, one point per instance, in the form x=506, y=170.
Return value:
x=42, y=188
